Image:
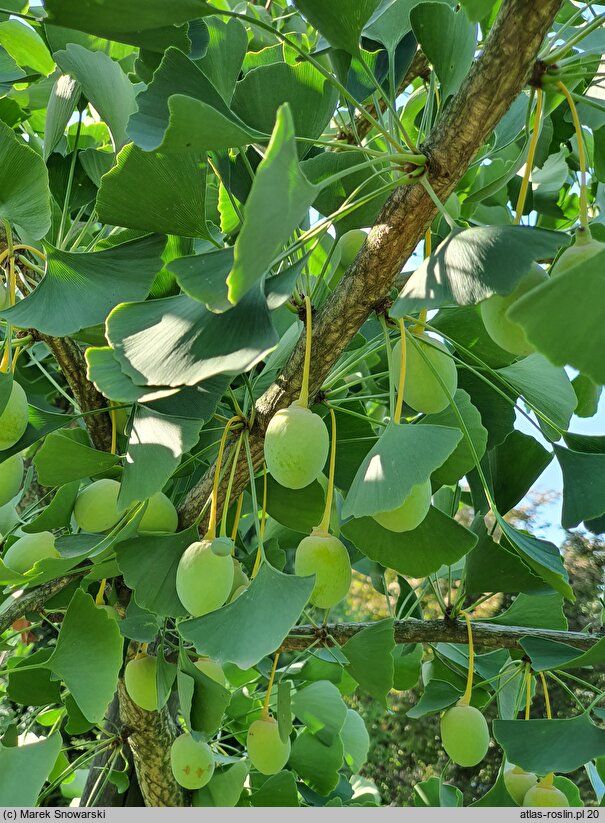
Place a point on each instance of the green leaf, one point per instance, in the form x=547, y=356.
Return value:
x=26, y=47
x=491, y=566
x=62, y=459
x=550, y=654
x=147, y=23
x=209, y=700
x=497, y=795
x=451, y=56
x=278, y=201
x=515, y=466
x=569, y=300
x=437, y=695
x=255, y=624
x=556, y=745
x=407, y=660
x=156, y=444
x=316, y=763
x=403, y=457
x=35, y=761
x=546, y=387
x=24, y=191
x=355, y=741
x=341, y=24
x=225, y=787
x=297, y=509
x=284, y=709
x=461, y=460
x=164, y=193
x=583, y=485
x=61, y=105
x=391, y=22
x=433, y=792
x=79, y=289
x=362, y=182
x=477, y=10
x=181, y=111
x=278, y=790
x=104, y=84
x=57, y=513
x=32, y=688
x=149, y=565
x=175, y=341
x=88, y=655
x=588, y=394
x=311, y=98
x=321, y=708
x=370, y=657
x=438, y=541
x=472, y=264
x=223, y=60
x=543, y=557
x=204, y=277
x=538, y=611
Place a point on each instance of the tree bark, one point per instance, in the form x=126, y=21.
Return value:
x=492, y=84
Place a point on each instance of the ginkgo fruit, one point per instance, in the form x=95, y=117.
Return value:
x=296, y=446
x=464, y=734
x=191, y=761
x=544, y=793
x=267, y=751
x=96, y=509
x=14, y=418
x=508, y=335
x=422, y=389
x=140, y=679
x=28, y=550
x=410, y=513
x=211, y=669
x=326, y=557
x=11, y=477
x=240, y=578
x=349, y=245
x=583, y=249
x=518, y=782
x=160, y=515
x=204, y=575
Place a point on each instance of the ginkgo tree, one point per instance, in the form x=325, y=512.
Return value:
x=284, y=287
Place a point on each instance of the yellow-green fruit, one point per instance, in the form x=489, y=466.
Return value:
x=518, y=783
x=296, y=447
x=464, y=734
x=96, y=508
x=412, y=511
x=240, y=578
x=544, y=795
x=11, y=477
x=349, y=244
x=203, y=577
x=28, y=550
x=508, y=335
x=14, y=418
x=211, y=669
x=191, y=761
x=583, y=249
x=422, y=390
x=160, y=515
x=140, y=681
x=237, y=593
x=265, y=747
x=327, y=558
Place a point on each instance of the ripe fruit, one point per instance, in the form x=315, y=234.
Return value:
x=411, y=512
x=265, y=747
x=160, y=515
x=518, y=783
x=27, y=550
x=508, y=335
x=14, y=418
x=11, y=477
x=296, y=446
x=326, y=557
x=191, y=761
x=96, y=508
x=464, y=734
x=349, y=244
x=422, y=390
x=545, y=794
x=203, y=577
x=140, y=681
x=584, y=248
x=211, y=669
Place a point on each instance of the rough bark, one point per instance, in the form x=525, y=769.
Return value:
x=32, y=601
x=493, y=82
x=487, y=635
